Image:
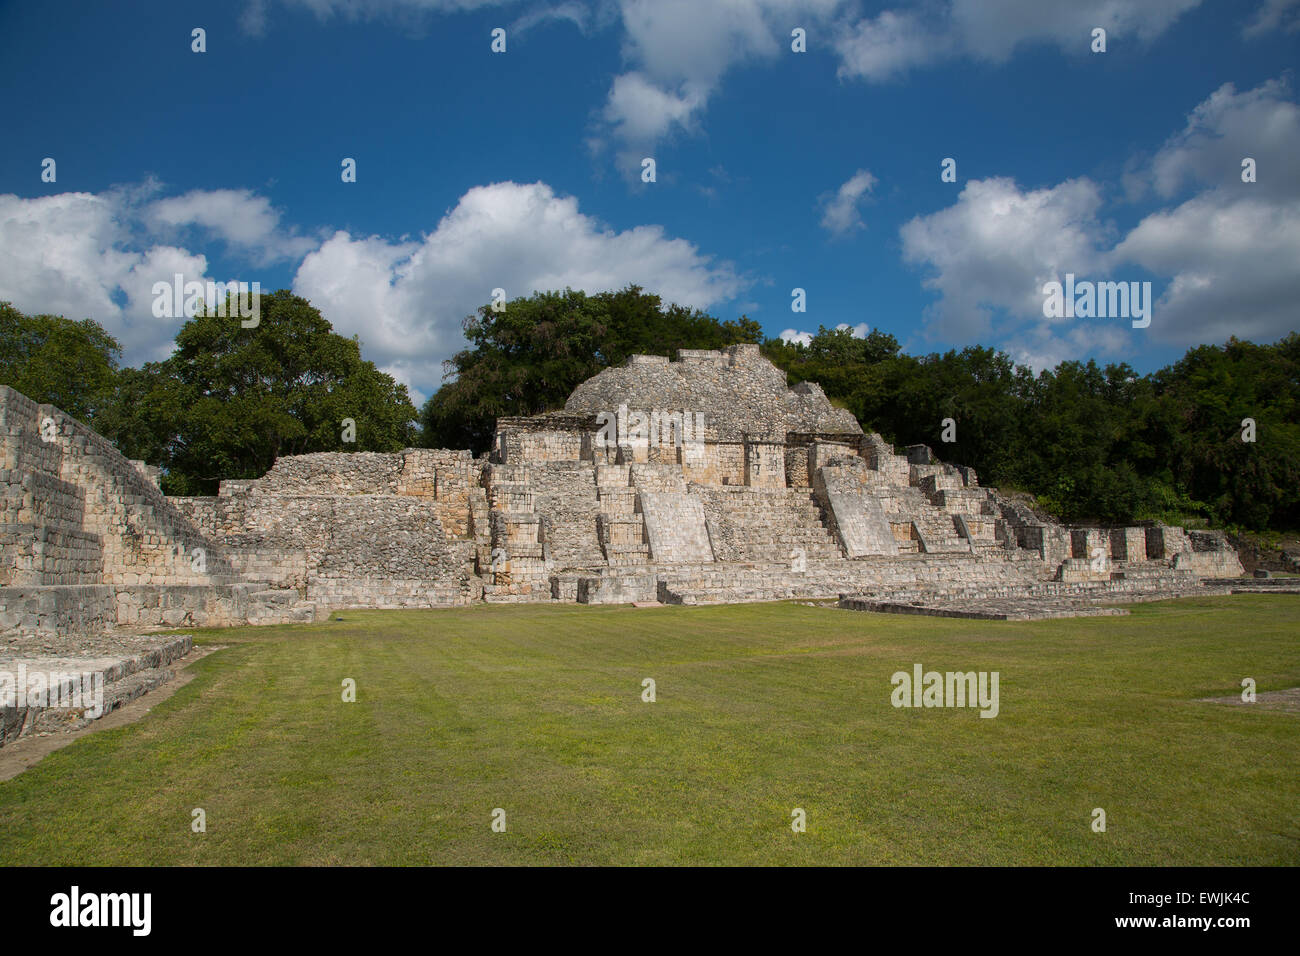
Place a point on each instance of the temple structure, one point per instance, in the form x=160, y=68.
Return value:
x=704, y=479
x=700, y=480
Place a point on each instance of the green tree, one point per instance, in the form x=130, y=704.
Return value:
x=1093, y=443
x=143, y=416
x=835, y=359
x=231, y=400
x=1203, y=400
x=48, y=358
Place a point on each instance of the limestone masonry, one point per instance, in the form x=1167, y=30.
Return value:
x=688, y=482
x=704, y=479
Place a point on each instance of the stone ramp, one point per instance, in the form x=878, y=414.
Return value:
x=673, y=518
x=44, y=689
x=1029, y=602
x=733, y=583
x=675, y=528
x=1011, y=610
x=565, y=496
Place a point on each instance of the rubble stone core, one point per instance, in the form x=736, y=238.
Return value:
x=700, y=480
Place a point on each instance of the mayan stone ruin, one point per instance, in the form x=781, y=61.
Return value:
x=700, y=480
x=704, y=479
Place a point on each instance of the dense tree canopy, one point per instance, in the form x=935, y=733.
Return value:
x=229, y=400
x=1202, y=403
x=238, y=398
x=1092, y=442
x=71, y=365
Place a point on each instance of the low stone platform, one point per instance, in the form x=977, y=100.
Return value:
x=1031, y=602
x=1287, y=701
x=45, y=688
x=1257, y=585
x=1268, y=583
x=1028, y=610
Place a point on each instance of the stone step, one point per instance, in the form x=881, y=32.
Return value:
x=121, y=678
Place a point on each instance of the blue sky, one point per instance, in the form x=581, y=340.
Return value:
x=775, y=169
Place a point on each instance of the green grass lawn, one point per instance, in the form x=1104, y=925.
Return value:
x=760, y=709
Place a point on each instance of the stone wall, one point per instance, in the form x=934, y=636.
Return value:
x=51, y=611
x=1210, y=556
x=741, y=489
x=1164, y=542
x=564, y=495
x=334, y=473
x=736, y=389
x=1128, y=544
x=343, y=549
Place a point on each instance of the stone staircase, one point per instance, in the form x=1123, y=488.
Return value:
x=973, y=513
x=735, y=582
x=771, y=525
x=517, y=560
x=932, y=530
x=936, y=533
x=967, y=501
x=620, y=525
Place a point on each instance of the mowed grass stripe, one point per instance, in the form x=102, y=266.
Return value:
x=760, y=709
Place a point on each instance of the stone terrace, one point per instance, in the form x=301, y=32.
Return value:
x=700, y=480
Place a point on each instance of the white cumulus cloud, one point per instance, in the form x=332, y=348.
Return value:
x=77, y=254
x=840, y=211
x=1227, y=127
x=98, y=256
x=997, y=245
x=407, y=299
x=1229, y=251
x=677, y=51
x=912, y=36
x=1224, y=258
x=1274, y=16
x=238, y=216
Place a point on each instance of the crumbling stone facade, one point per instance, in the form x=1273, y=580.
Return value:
x=88, y=541
x=697, y=480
